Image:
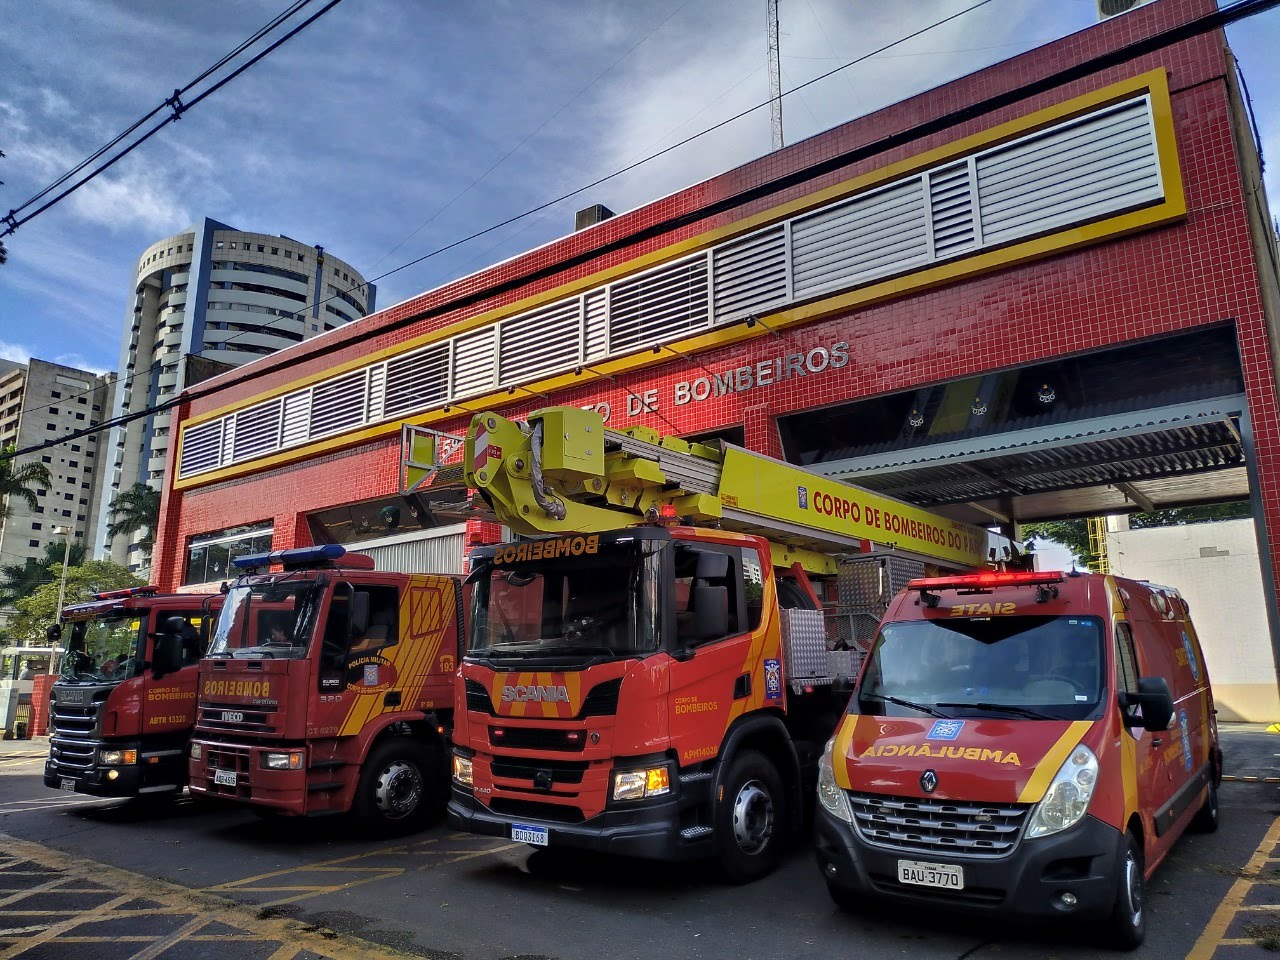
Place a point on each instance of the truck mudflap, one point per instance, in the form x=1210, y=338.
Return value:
x=1071, y=874
x=651, y=831
x=156, y=772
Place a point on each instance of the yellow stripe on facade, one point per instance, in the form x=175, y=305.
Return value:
x=1053, y=760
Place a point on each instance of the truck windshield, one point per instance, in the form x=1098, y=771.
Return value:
x=106, y=648
x=600, y=604
x=1048, y=668
x=268, y=620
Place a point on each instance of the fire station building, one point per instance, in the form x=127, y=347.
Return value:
x=1044, y=290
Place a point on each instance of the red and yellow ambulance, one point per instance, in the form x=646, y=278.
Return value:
x=1029, y=742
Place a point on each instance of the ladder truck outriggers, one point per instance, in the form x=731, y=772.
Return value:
x=647, y=674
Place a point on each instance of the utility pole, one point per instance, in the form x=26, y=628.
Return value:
x=775, y=73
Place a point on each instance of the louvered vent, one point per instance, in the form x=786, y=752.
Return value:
x=338, y=404
x=540, y=342
x=860, y=239
x=658, y=306
x=1069, y=175
x=297, y=418
x=201, y=448
x=418, y=381
x=473, y=363
x=951, y=209
x=257, y=430
x=597, y=326
x=750, y=274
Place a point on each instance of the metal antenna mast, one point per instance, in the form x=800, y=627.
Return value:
x=775, y=73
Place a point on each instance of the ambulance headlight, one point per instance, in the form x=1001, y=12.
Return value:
x=1068, y=796
x=834, y=800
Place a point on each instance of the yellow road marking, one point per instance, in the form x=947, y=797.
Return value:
x=1232, y=903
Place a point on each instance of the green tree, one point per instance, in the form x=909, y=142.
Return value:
x=1072, y=534
x=137, y=508
x=20, y=480
x=20, y=579
x=36, y=611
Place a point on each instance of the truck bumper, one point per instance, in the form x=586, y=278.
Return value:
x=651, y=831
x=235, y=772
x=1030, y=882
x=157, y=771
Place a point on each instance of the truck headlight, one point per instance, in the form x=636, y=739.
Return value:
x=116, y=758
x=197, y=751
x=834, y=800
x=638, y=784
x=1068, y=796
x=282, y=761
x=462, y=770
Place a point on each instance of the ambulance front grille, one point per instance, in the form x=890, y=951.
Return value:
x=927, y=826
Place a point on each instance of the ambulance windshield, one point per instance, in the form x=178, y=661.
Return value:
x=1027, y=667
x=562, y=606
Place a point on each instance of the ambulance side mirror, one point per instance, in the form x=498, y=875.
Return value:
x=1156, y=701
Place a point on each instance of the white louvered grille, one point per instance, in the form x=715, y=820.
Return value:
x=338, y=404
x=860, y=239
x=951, y=210
x=201, y=448
x=1096, y=166
x=540, y=342
x=750, y=275
x=418, y=381
x=257, y=430
x=1077, y=171
x=473, y=363
x=658, y=306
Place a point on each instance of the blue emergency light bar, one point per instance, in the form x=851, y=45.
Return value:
x=325, y=555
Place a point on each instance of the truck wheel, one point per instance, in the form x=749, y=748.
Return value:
x=1127, y=925
x=750, y=818
x=392, y=797
x=1206, y=818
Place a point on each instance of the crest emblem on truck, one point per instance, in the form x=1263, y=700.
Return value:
x=928, y=781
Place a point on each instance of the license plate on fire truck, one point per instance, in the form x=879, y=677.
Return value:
x=922, y=874
x=226, y=778
x=524, y=833
x=68, y=785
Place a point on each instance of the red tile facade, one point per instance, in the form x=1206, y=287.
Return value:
x=1201, y=270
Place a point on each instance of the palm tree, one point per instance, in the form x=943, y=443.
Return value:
x=18, y=580
x=20, y=480
x=137, y=508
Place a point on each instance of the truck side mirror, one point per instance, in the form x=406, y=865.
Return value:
x=710, y=612
x=359, y=614
x=167, y=657
x=53, y=633
x=1156, y=701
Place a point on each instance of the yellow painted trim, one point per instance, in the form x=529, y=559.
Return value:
x=840, y=751
x=1173, y=207
x=1053, y=760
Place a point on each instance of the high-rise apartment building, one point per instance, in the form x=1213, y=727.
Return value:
x=39, y=402
x=222, y=294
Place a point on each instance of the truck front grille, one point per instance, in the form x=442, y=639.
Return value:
x=525, y=769
x=601, y=701
x=915, y=825
x=239, y=718
x=535, y=810
x=71, y=755
x=538, y=738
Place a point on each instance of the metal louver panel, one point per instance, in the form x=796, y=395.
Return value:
x=1092, y=167
x=297, y=418
x=440, y=553
x=338, y=404
x=257, y=430
x=201, y=448
x=597, y=325
x=951, y=209
x=473, y=363
x=417, y=382
x=658, y=306
x=540, y=342
x=750, y=274
x=377, y=391
x=869, y=236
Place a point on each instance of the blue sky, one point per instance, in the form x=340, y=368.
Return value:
x=390, y=129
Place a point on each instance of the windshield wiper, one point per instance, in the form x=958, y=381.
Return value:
x=1007, y=707
x=911, y=704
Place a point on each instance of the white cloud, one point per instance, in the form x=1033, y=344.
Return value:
x=15, y=352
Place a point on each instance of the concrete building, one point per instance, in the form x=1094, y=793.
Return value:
x=41, y=401
x=220, y=294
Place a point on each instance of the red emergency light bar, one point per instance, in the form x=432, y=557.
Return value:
x=987, y=581
x=127, y=592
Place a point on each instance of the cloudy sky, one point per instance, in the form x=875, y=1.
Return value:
x=389, y=129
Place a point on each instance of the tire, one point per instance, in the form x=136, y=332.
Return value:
x=750, y=819
x=1126, y=928
x=397, y=789
x=1206, y=818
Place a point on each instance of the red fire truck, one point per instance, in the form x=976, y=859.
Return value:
x=660, y=690
x=123, y=706
x=328, y=688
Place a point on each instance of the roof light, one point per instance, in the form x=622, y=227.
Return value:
x=126, y=592
x=324, y=555
x=987, y=581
